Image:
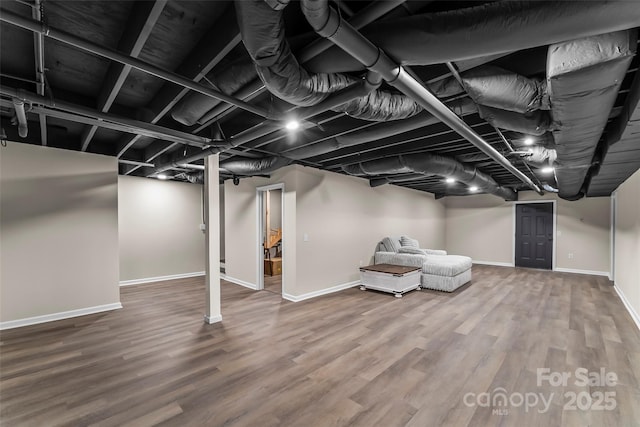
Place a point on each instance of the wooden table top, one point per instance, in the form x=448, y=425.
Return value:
x=389, y=268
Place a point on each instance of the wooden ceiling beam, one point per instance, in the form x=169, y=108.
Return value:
x=138, y=29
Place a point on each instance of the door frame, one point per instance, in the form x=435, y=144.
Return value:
x=260, y=192
x=554, y=247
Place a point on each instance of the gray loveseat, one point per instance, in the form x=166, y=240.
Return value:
x=439, y=271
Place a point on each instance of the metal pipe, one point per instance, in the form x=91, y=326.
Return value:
x=23, y=129
x=104, y=119
x=369, y=14
x=63, y=36
x=134, y=163
x=38, y=48
x=328, y=24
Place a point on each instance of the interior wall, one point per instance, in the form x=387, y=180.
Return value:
x=159, y=228
x=241, y=225
x=221, y=193
x=344, y=219
x=627, y=241
x=337, y=223
x=59, y=231
x=482, y=227
x=276, y=209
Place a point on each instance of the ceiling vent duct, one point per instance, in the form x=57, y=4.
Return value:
x=21, y=118
x=262, y=30
x=248, y=167
x=584, y=77
x=430, y=165
x=489, y=29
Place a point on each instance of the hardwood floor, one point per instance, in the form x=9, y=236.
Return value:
x=273, y=284
x=351, y=358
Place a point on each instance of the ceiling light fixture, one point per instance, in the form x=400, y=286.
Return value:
x=528, y=141
x=473, y=189
x=292, y=125
x=162, y=176
x=547, y=169
x=450, y=180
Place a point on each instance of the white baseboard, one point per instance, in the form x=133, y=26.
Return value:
x=498, y=264
x=58, y=316
x=239, y=282
x=341, y=287
x=627, y=304
x=161, y=278
x=212, y=319
x=589, y=272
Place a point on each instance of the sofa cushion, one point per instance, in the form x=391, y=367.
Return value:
x=409, y=260
x=391, y=244
x=446, y=265
x=411, y=250
x=407, y=241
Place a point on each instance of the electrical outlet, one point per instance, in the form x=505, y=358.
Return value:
x=361, y=263
x=570, y=255
x=305, y=237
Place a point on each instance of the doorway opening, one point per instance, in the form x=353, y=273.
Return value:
x=270, y=208
x=534, y=234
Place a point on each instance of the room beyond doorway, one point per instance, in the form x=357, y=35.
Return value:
x=270, y=208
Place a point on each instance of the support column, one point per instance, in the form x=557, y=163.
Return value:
x=212, y=253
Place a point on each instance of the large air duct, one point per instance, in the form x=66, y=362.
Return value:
x=584, y=77
x=492, y=28
x=262, y=30
x=430, y=165
x=328, y=24
x=498, y=88
x=21, y=117
x=248, y=167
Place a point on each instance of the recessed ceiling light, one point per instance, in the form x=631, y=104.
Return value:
x=162, y=176
x=528, y=141
x=292, y=125
x=474, y=188
x=547, y=169
x=450, y=180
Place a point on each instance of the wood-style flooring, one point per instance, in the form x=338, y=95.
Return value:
x=273, y=284
x=353, y=358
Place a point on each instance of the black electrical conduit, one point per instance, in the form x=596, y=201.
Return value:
x=106, y=120
x=429, y=165
x=329, y=24
x=114, y=55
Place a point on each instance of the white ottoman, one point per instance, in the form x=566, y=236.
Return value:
x=445, y=272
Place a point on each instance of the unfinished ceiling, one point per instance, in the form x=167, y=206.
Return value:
x=452, y=98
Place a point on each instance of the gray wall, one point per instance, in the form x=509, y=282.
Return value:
x=58, y=231
x=482, y=227
x=159, y=228
x=342, y=217
x=627, y=241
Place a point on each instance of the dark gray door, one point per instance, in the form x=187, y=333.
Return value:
x=534, y=235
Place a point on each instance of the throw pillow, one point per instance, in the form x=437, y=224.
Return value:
x=409, y=242
x=411, y=250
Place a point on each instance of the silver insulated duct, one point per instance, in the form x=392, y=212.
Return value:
x=493, y=28
x=430, y=165
x=262, y=30
x=584, y=77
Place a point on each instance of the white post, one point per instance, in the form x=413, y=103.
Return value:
x=212, y=251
